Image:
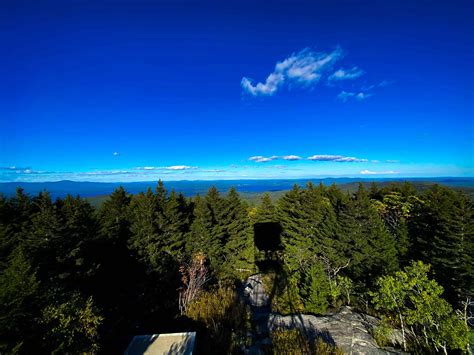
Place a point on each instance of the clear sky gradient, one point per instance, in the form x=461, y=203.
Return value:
x=141, y=90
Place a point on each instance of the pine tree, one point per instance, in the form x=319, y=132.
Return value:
x=146, y=238
x=370, y=247
x=80, y=228
x=174, y=225
x=160, y=195
x=395, y=209
x=298, y=247
x=44, y=238
x=18, y=302
x=315, y=289
x=266, y=211
x=236, y=227
x=72, y=325
x=114, y=215
x=204, y=232
x=116, y=264
x=443, y=231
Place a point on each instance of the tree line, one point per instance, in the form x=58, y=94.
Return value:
x=79, y=279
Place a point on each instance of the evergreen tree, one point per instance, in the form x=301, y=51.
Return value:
x=207, y=234
x=298, y=247
x=114, y=215
x=72, y=326
x=443, y=234
x=80, y=228
x=238, y=235
x=315, y=289
x=174, y=225
x=19, y=303
x=44, y=238
x=395, y=210
x=146, y=238
x=118, y=280
x=266, y=211
x=371, y=248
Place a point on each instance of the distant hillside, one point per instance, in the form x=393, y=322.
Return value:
x=251, y=190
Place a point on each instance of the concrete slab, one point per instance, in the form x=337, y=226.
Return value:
x=162, y=344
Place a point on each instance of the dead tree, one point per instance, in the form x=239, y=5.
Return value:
x=194, y=275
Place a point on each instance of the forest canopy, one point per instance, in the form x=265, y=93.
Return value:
x=79, y=279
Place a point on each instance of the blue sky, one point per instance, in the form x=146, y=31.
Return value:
x=141, y=90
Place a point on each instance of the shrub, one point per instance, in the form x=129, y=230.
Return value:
x=320, y=347
x=287, y=298
x=293, y=342
x=224, y=317
x=382, y=334
x=289, y=341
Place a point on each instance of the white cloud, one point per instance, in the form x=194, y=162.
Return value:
x=115, y=154
x=344, y=96
x=336, y=158
x=214, y=171
x=291, y=157
x=22, y=170
x=173, y=167
x=179, y=167
x=261, y=159
x=382, y=84
x=102, y=173
x=14, y=168
x=369, y=172
x=304, y=68
x=346, y=74
x=271, y=85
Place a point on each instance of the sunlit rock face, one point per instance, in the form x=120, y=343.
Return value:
x=349, y=330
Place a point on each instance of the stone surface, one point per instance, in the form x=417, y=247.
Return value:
x=347, y=329
x=255, y=292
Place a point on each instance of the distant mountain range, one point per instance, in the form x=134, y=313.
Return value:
x=190, y=188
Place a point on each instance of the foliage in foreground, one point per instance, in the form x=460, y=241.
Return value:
x=413, y=302
x=126, y=257
x=224, y=317
x=293, y=342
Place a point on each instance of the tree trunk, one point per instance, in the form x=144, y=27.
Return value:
x=403, y=331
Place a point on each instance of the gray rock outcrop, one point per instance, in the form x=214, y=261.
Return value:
x=349, y=330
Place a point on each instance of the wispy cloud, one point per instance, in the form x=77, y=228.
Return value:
x=369, y=172
x=336, y=158
x=345, y=96
x=13, y=168
x=180, y=167
x=115, y=154
x=346, y=74
x=261, y=159
x=392, y=161
x=302, y=69
x=325, y=157
x=101, y=173
x=213, y=170
x=172, y=167
x=382, y=84
x=291, y=157
x=21, y=170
